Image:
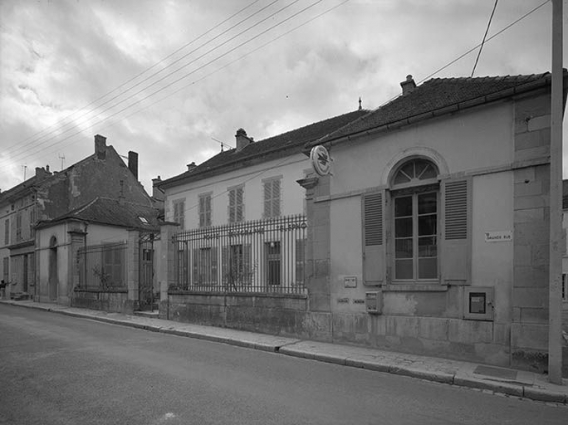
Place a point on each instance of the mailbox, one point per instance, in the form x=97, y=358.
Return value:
x=374, y=302
x=478, y=303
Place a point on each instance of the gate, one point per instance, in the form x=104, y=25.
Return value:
x=147, y=298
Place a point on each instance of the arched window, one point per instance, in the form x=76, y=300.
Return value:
x=415, y=199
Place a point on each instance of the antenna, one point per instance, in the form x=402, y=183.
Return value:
x=222, y=144
x=62, y=158
x=25, y=167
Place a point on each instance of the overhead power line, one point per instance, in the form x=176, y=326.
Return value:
x=74, y=121
x=484, y=37
x=185, y=75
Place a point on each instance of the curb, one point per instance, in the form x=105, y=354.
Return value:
x=523, y=391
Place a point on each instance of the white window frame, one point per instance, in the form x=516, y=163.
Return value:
x=415, y=188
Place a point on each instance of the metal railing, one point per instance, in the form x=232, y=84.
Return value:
x=252, y=256
x=102, y=266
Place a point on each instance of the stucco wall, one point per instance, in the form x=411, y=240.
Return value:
x=291, y=168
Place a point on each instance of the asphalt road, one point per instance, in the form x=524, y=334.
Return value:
x=56, y=369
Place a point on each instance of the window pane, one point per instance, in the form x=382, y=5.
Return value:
x=427, y=247
x=428, y=268
x=403, y=248
x=403, y=269
x=427, y=203
x=401, y=178
x=403, y=206
x=429, y=173
x=427, y=225
x=403, y=227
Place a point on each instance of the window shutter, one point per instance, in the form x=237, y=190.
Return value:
x=201, y=211
x=456, y=240
x=275, y=198
x=208, y=211
x=373, y=247
x=239, y=215
x=267, y=199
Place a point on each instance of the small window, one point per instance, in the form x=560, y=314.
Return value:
x=143, y=220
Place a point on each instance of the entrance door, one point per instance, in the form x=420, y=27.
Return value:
x=53, y=275
x=147, y=299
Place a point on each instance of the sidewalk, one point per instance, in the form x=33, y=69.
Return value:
x=483, y=377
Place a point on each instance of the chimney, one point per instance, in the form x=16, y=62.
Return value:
x=42, y=173
x=242, y=139
x=157, y=193
x=133, y=163
x=191, y=167
x=100, y=146
x=408, y=86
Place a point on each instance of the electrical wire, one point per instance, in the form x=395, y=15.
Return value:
x=179, y=79
x=158, y=72
x=484, y=37
x=136, y=76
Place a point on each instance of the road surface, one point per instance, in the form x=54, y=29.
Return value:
x=56, y=369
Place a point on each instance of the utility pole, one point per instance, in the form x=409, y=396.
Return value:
x=555, y=265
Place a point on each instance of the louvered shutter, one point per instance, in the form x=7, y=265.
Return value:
x=456, y=239
x=208, y=210
x=232, y=206
x=239, y=204
x=267, y=199
x=202, y=211
x=275, y=198
x=373, y=245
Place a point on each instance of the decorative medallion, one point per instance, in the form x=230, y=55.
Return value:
x=321, y=161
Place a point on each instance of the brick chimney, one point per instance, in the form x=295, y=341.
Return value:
x=133, y=163
x=242, y=139
x=408, y=86
x=100, y=146
x=191, y=167
x=42, y=173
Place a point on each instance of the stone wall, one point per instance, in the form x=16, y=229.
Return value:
x=112, y=301
x=529, y=328
x=276, y=314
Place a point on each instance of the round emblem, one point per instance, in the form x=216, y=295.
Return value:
x=321, y=161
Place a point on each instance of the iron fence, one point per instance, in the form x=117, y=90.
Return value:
x=252, y=256
x=102, y=266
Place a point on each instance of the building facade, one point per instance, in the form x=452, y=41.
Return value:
x=240, y=233
x=431, y=236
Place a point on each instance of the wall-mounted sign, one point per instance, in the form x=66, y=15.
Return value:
x=350, y=281
x=503, y=236
x=321, y=161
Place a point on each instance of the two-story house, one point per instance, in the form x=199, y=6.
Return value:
x=241, y=228
x=47, y=198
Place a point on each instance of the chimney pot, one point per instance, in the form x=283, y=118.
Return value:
x=100, y=146
x=408, y=85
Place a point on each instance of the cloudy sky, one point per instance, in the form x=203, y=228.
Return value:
x=169, y=79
